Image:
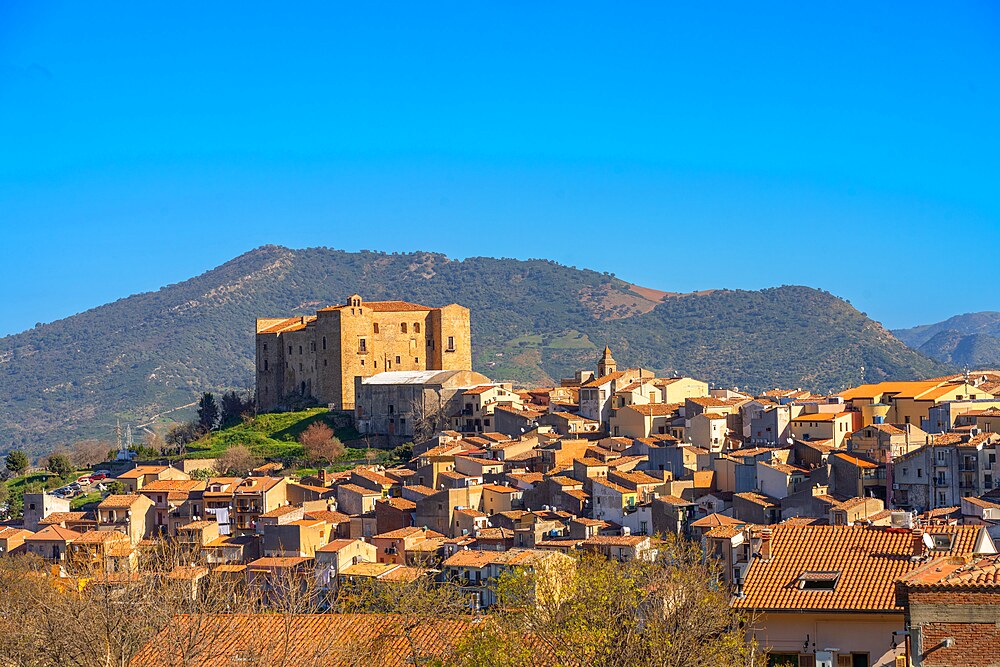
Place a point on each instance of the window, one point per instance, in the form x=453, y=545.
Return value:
x=416, y=360
x=397, y=360
x=362, y=362
x=362, y=345
x=818, y=580
x=300, y=349
x=265, y=364
x=416, y=327
x=324, y=342
x=451, y=344
x=942, y=541
x=289, y=349
x=265, y=347
x=388, y=363
x=402, y=327
x=920, y=472
x=374, y=327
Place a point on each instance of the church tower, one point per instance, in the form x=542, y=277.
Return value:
x=606, y=364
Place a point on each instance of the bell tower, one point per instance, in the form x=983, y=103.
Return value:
x=606, y=364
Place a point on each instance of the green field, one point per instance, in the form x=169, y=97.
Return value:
x=274, y=436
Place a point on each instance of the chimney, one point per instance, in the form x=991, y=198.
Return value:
x=917, y=535
x=765, y=544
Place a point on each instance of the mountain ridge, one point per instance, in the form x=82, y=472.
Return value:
x=534, y=321
x=971, y=339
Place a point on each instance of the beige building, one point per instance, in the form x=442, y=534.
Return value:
x=319, y=356
x=405, y=404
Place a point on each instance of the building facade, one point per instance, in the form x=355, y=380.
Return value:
x=319, y=356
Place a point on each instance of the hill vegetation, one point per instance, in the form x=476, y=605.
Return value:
x=971, y=340
x=533, y=322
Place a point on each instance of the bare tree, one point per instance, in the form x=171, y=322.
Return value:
x=237, y=460
x=320, y=444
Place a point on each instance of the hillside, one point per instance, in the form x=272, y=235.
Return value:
x=533, y=322
x=971, y=340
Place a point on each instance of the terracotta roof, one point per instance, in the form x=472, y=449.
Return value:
x=868, y=560
x=328, y=516
x=656, y=409
x=956, y=573
x=495, y=534
x=313, y=639
x=716, y=520
x=409, y=531
x=54, y=534
x=398, y=503
x=62, y=517
x=334, y=546
x=100, y=537
x=725, y=532
x=856, y=460
x=173, y=485
x=141, y=471
x=604, y=379
x=281, y=511
x=615, y=540
x=289, y=561
x=119, y=502
x=497, y=488
x=383, y=306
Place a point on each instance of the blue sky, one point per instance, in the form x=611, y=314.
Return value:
x=848, y=146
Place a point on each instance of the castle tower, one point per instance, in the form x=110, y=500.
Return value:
x=606, y=364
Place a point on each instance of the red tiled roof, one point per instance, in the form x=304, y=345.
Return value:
x=868, y=560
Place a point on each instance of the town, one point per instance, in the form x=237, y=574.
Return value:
x=849, y=530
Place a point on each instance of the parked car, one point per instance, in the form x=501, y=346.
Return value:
x=105, y=473
x=98, y=476
x=85, y=479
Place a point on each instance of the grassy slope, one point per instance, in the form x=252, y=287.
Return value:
x=275, y=437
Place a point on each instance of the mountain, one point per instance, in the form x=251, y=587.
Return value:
x=971, y=340
x=533, y=321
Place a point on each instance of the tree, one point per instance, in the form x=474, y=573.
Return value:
x=237, y=460
x=670, y=612
x=208, y=411
x=183, y=434
x=234, y=407
x=320, y=444
x=4, y=493
x=17, y=462
x=60, y=464
x=88, y=453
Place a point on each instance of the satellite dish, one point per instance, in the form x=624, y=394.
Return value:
x=928, y=541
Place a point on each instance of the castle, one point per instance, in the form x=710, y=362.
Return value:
x=319, y=356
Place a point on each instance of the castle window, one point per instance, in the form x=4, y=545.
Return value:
x=265, y=347
x=300, y=349
x=388, y=363
x=391, y=408
x=324, y=342
x=416, y=360
x=397, y=360
x=374, y=363
x=265, y=364
x=324, y=361
x=451, y=344
x=300, y=366
x=362, y=345
x=289, y=349
x=375, y=327
x=416, y=327
x=402, y=327
x=362, y=362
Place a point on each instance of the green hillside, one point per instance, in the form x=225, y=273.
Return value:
x=533, y=322
x=971, y=340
